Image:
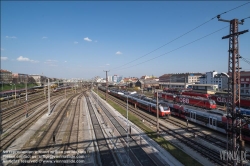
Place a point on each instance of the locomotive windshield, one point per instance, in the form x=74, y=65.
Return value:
x=165, y=106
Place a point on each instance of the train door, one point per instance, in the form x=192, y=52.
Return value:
x=149, y=108
x=212, y=122
x=193, y=116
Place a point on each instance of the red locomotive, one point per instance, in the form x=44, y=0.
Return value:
x=222, y=100
x=195, y=94
x=219, y=98
x=189, y=100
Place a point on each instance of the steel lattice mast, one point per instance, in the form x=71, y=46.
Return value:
x=234, y=116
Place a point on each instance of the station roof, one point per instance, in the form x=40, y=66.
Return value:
x=204, y=85
x=175, y=83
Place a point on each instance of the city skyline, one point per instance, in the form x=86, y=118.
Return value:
x=82, y=39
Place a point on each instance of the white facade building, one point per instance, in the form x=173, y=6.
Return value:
x=110, y=78
x=216, y=79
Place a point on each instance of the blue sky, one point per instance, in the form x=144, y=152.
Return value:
x=82, y=39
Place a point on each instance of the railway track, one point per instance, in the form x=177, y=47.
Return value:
x=206, y=137
x=33, y=98
x=19, y=113
x=106, y=155
x=7, y=112
x=42, y=136
x=211, y=154
x=10, y=136
x=73, y=140
x=44, y=141
x=136, y=150
x=73, y=127
x=5, y=105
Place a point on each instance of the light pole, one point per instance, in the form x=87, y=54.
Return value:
x=15, y=91
x=157, y=109
x=97, y=94
x=26, y=98
x=48, y=98
x=12, y=88
x=127, y=134
x=15, y=95
x=228, y=87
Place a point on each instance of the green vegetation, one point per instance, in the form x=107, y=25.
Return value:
x=6, y=87
x=184, y=158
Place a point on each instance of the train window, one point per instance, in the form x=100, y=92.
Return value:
x=193, y=115
x=201, y=118
x=214, y=122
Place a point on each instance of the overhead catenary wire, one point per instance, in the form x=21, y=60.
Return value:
x=244, y=59
x=181, y=36
x=245, y=18
x=234, y=8
x=176, y=48
x=247, y=58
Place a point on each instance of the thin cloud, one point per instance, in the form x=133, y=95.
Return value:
x=3, y=58
x=53, y=65
x=65, y=61
x=44, y=37
x=11, y=37
x=75, y=42
x=2, y=49
x=87, y=39
x=104, y=65
x=23, y=59
x=51, y=62
x=118, y=53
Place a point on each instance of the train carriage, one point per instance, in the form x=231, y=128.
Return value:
x=197, y=101
x=195, y=94
x=166, y=96
x=148, y=105
x=210, y=119
x=4, y=96
x=177, y=110
x=190, y=100
x=213, y=119
x=246, y=133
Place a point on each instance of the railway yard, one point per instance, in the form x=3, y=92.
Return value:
x=81, y=128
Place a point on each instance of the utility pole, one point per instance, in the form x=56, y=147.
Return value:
x=48, y=98
x=106, y=84
x=157, y=113
x=234, y=87
x=170, y=81
x=185, y=82
x=26, y=108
